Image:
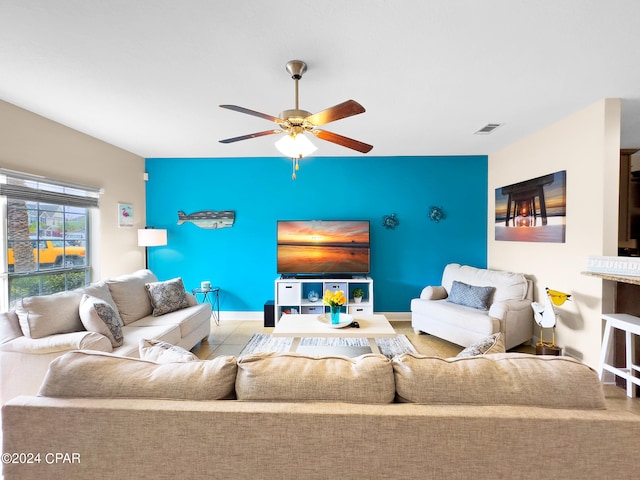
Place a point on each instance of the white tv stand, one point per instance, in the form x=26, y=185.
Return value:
x=292, y=295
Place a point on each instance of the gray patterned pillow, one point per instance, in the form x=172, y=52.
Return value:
x=97, y=315
x=470, y=295
x=491, y=344
x=167, y=296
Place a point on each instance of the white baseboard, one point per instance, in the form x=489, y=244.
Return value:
x=397, y=316
x=239, y=316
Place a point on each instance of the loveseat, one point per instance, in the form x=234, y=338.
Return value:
x=42, y=328
x=291, y=416
x=472, y=303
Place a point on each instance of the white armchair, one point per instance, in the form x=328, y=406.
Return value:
x=503, y=307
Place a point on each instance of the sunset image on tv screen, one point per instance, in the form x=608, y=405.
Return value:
x=323, y=246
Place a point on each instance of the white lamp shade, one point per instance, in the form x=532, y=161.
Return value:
x=295, y=146
x=152, y=237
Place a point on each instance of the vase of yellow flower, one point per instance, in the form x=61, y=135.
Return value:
x=334, y=300
x=335, y=314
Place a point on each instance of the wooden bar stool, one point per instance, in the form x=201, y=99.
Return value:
x=631, y=326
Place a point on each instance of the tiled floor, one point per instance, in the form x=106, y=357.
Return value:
x=230, y=337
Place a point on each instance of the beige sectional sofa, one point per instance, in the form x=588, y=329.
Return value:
x=482, y=303
x=42, y=328
x=291, y=416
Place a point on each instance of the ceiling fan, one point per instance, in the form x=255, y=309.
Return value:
x=295, y=122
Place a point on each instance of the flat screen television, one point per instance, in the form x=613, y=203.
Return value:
x=323, y=247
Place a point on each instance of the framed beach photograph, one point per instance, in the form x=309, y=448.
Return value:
x=533, y=211
x=125, y=215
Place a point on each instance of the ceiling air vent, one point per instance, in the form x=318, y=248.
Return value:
x=487, y=129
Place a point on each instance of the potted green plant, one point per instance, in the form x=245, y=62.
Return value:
x=358, y=293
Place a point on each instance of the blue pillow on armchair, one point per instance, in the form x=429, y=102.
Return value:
x=470, y=295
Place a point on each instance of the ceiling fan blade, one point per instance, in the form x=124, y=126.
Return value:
x=331, y=114
x=344, y=141
x=236, y=108
x=251, y=135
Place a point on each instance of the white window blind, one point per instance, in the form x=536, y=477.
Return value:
x=24, y=186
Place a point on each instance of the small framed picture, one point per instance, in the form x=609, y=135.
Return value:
x=125, y=215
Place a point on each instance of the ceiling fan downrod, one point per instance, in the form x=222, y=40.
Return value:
x=296, y=69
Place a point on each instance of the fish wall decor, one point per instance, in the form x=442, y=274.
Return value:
x=208, y=218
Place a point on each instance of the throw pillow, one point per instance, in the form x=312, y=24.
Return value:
x=99, y=316
x=470, y=295
x=167, y=296
x=491, y=344
x=163, y=352
x=100, y=290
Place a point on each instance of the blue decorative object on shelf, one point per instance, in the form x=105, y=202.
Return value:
x=390, y=221
x=313, y=296
x=436, y=214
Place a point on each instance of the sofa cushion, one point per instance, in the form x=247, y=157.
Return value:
x=297, y=377
x=501, y=379
x=99, y=316
x=457, y=316
x=130, y=295
x=167, y=296
x=508, y=285
x=46, y=315
x=189, y=319
x=9, y=326
x=163, y=352
x=103, y=375
x=488, y=345
x=470, y=295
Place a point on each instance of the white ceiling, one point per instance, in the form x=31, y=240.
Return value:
x=148, y=75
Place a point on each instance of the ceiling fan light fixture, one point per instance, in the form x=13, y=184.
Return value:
x=295, y=146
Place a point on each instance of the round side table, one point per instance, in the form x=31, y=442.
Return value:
x=212, y=295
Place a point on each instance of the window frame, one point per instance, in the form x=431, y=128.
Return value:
x=40, y=192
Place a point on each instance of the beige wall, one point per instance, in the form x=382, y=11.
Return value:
x=586, y=145
x=32, y=144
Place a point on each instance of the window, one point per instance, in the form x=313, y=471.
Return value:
x=47, y=235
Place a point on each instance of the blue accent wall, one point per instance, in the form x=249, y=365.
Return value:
x=242, y=259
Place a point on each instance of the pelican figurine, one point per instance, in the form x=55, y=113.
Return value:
x=545, y=315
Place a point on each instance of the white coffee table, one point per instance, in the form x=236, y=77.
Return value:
x=307, y=325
